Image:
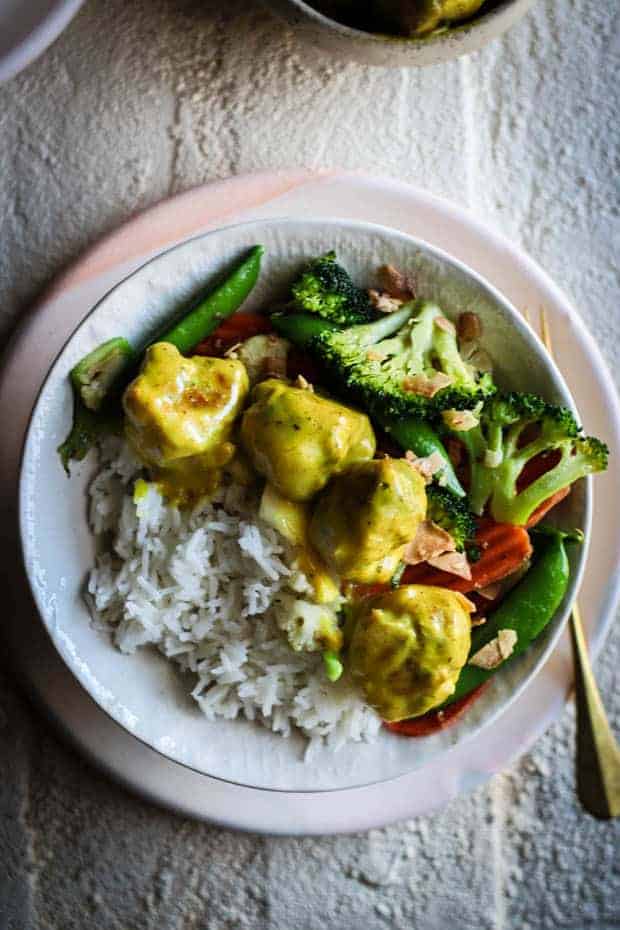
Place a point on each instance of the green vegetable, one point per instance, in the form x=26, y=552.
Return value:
x=221, y=303
x=333, y=665
x=421, y=438
x=409, y=432
x=452, y=514
x=87, y=429
x=513, y=429
x=326, y=289
x=301, y=328
x=95, y=376
x=101, y=375
x=526, y=610
x=397, y=364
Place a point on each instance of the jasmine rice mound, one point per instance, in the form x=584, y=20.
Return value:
x=211, y=588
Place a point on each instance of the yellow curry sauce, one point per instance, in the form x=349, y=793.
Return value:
x=298, y=439
x=180, y=414
x=407, y=647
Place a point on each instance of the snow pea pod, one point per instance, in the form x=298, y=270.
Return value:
x=422, y=439
x=526, y=610
x=408, y=432
x=209, y=312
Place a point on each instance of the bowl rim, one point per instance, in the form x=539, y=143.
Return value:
x=407, y=42
x=42, y=35
x=516, y=319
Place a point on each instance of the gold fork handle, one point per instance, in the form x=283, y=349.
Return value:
x=598, y=753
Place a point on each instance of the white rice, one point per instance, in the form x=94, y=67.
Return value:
x=204, y=587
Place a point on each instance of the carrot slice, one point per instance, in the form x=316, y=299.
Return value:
x=435, y=720
x=503, y=549
x=235, y=329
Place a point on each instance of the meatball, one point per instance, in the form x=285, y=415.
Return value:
x=407, y=648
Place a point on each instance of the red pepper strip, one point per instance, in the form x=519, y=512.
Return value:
x=435, y=720
x=235, y=329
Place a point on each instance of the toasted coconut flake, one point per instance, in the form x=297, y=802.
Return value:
x=427, y=387
x=442, y=322
x=232, y=351
x=453, y=562
x=507, y=642
x=427, y=465
x=395, y=283
x=301, y=382
x=478, y=621
x=475, y=356
x=430, y=540
x=491, y=591
x=374, y=356
x=383, y=302
x=460, y=420
x=496, y=651
x=469, y=327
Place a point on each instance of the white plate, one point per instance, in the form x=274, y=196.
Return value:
x=140, y=692
x=27, y=27
x=520, y=279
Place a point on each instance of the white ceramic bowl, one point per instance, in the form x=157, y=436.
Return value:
x=144, y=693
x=27, y=28
x=369, y=48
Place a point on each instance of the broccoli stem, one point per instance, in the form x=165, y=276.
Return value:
x=508, y=507
x=301, y=328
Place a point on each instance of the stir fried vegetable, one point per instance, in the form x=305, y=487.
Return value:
x=382, y=547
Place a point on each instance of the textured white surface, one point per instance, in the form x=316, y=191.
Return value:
x=138, y=100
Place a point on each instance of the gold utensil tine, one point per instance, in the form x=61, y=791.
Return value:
x=598, y=753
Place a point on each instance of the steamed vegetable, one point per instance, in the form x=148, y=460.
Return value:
x=326, y=289
x=217, y=306
x=95, y=376
x=452, y=514
x=406, y=364
x=513, y=429
x=524, y=612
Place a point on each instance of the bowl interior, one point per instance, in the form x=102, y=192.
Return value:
x=346, y=42
x=143, y=692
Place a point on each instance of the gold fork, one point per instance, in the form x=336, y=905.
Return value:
x=598, y=753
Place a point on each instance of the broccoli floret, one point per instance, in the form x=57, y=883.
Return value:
x=513, y=429
x=326, y=289
x=407, y=363
x=452, y=514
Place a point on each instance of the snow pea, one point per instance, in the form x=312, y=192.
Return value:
x=422, y=439
x=526, y=610
x=209, y=312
